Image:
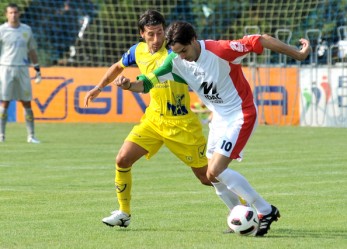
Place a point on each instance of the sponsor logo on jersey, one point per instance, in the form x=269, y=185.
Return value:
x=210, y=92
x=199, y=73
x=237, y=46
x=142, y=62
x=177, y=108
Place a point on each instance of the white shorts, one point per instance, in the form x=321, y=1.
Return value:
x=229, y=136
x=15, y=83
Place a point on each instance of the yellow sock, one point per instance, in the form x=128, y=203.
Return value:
x=123, y=182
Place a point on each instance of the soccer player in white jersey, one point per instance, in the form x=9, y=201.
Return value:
x=213, y=70
x=17, y=44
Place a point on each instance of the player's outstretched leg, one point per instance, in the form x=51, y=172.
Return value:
x=117, y=218
x=266, y=220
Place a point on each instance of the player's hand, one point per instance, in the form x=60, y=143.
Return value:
x=91, y=95
x=305, y=48
x=38, y=78
x=122, y=82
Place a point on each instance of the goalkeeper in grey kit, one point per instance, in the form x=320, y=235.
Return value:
x=17, y=46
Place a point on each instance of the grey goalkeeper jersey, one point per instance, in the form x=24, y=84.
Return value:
x=15, y=44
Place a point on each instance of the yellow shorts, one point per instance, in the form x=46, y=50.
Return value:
x=182, y=135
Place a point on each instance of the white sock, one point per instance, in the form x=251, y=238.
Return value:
x=241, y=187
x=3, y=120
x=229, y=198
x=29, y=120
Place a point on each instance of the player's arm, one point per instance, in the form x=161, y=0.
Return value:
x=135, y=86
x=145, y=83
x=35, y=61
x=116, y=69
x=278, y=46
x=33, y=56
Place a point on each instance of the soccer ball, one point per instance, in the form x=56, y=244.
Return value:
x=243, y=220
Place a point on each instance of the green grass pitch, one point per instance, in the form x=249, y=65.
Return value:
x=54, y=194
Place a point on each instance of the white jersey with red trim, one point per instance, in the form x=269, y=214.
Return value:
x=216, y=76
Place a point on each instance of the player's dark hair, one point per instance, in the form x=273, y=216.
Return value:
x=150, y=18
x=11, y=5
x=181, y=32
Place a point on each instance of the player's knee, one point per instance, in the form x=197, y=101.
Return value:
x=205, y=181
x=211, y=176
x=29, y=118
x=123, y=160
x=3, y=116
x=200, y=173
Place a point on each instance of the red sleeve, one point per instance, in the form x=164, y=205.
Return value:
x=249, y=43
x=232, y=49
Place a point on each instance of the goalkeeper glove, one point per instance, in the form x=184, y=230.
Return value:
x=38, y=74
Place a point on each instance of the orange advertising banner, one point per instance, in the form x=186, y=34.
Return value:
x=277, y=94
x=59, y=97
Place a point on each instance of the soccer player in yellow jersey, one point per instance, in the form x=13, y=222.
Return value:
x=168, y=119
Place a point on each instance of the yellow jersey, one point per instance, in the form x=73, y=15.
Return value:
x=168, y=98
